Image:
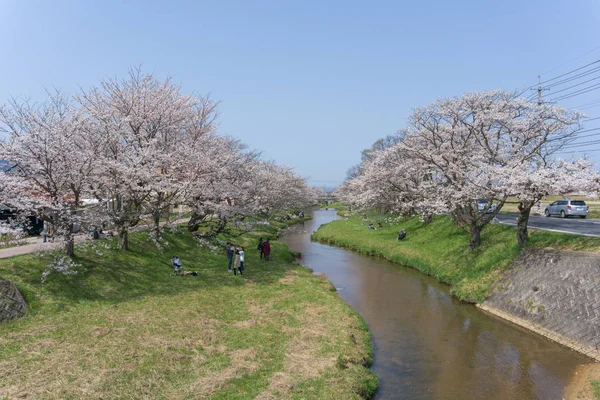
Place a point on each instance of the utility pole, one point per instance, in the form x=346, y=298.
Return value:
x=540, y=89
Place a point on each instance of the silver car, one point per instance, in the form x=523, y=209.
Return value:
x=482, y=204
x=566, y=208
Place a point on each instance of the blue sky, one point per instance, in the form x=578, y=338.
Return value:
x=310, y=83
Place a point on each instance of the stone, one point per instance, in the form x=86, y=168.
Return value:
x=12, y=302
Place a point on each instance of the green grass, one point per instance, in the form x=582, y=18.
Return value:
x=441, y=249
x=122, y=328
x=596, y=387
x=337, y=205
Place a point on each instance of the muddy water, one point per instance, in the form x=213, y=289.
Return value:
x=427, y=344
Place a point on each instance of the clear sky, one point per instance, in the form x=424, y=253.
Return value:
x=310, y=83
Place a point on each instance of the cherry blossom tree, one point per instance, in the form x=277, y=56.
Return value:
x=137, y=146
x=52, y=161
x=390, y=182
x=219, y=177
x=179, y=151
x=458, y=151
x=470, y=145
x=532, y=182
x=141, y=121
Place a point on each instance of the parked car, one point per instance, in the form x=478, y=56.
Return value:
x=482, y=204
x=566, y=208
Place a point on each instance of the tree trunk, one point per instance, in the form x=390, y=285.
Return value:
x=475, y=237
x=427, y=218
x=194, y=222
x=123, y=239
x=156, y=228
x=522, y=221
x=70, y=244
x=156, y=218
x=69, y=237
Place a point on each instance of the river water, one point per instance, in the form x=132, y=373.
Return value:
x=429, y=345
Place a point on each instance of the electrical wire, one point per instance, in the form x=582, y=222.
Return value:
x=589, y=135
x=574, y=78
x=597, y=101
x=582, y=144
x=570, y=72
x=576, y=93
x=571, y=60
x=579, y=84
x=577, y=152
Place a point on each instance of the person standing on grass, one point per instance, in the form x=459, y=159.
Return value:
x=261, y=246
x=236, y=263
x=241, y=264
x=267, y=249
x=229, y=251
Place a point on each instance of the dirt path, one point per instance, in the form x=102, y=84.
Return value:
x=39, y=245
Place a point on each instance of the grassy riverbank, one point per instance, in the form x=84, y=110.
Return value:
x=441, y=250
x=123, y=328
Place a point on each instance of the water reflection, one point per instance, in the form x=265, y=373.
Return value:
x=427, y=344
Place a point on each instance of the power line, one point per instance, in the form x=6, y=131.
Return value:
x=575, y=77
x=578, y=84
x=588, y=107
x=577, y=152
x=590, y=119
x=575, y=145
x=587, y=104
x=570, y=61
x=587, y=130
x=570, y=72
x=521, y=92
x=576, y=93
x=577, y=132
x=589, y=135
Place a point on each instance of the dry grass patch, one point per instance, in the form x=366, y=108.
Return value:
x=302, y=358
x=242, y=362
x=125, y=329
x=289, y=278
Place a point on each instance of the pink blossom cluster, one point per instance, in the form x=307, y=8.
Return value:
x=129, y=149
x=456, y=152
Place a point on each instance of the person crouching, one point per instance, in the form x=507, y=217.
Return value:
x=402, y=234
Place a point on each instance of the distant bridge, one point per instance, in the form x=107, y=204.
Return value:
x=328, y=198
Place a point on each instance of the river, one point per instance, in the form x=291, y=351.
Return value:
x=427, y=344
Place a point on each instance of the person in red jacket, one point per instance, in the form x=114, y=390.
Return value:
x=267, y=249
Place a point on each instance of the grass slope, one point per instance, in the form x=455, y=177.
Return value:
x=441, y=249
x=122, y=328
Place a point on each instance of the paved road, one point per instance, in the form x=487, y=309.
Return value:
x=575, y=225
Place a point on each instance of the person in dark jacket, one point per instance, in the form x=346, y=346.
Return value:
x=402, y=234
x=267, y=249
x=230, y=251
x=260, y=247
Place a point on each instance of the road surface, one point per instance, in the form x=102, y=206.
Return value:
x=575, y=225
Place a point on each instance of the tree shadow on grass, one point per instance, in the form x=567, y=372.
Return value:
x=116, y=276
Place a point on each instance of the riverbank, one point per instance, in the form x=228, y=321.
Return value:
x=441, y=249
x=122, y=327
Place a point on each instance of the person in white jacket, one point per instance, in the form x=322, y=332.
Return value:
x=239, y=261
